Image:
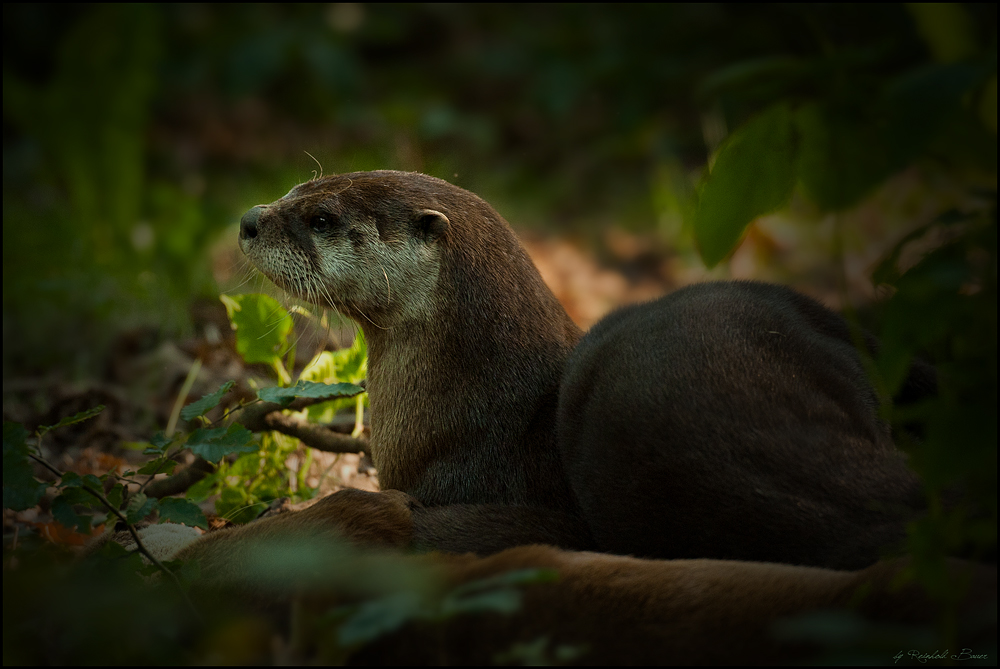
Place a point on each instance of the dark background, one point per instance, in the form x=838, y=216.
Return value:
x=135, y=136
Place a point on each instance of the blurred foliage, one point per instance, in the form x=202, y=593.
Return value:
x=851, y=127
x=842, y=126
x=133, y=135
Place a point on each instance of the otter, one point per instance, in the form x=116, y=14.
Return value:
x=730, y=420
x=611, y=609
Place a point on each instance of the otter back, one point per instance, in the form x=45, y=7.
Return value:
x=733, y=420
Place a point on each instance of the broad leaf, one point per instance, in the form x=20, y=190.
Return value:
x=516, y=577
x=77, y=418
x=158, y=444
x=770, y=73
x=379, y=617
x=284, y=396
x=162, y=465
x=139, y=507
x=753, y=174
x=262, y=326
x=206, y=403
x=920, y=103
x=213, y=444
x=502, y=600
x=842, y=156
x=74, y=480
x=116, y=495
x=495, y=593
x=64, y=512
x=182, y=511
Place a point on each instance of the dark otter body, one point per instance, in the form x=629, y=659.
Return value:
x=728, y=420
x=741, y=413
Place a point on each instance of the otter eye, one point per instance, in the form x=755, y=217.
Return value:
x=322, y=222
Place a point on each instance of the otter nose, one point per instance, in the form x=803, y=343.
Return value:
x=248, y=224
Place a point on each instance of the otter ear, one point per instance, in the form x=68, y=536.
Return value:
x=429, y=224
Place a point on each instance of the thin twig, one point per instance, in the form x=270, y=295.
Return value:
x=131, y=528
x=156, y=471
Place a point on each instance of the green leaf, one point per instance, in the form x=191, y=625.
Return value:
x=511, y=578
x=74, y=480
x=262, y=326
x=112, y=550
x=213, y=444
x=160, y=441
x=753, y=174
x=139, y=507
x=116, y=495
x=378, y=617
x=162, y=465
x=78, y=418
x=352, y=363
x=348, y=364
x=188, y=571
x=182, y=511
x=503, y=600
x=749, y=73
x=841, y=157
x=237, y=505
x=20, y=488
x=64, y=512
x=71, y=480
x=203, y=489
x=495, y=593
x=321, y=369
x=206, y=403
x=284, y=396
x=78, y=495
x=919, y=104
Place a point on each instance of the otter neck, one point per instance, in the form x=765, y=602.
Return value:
x=463, y=405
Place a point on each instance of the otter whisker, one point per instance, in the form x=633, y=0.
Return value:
x=249, y=273
x=354, y=306
x=318, y=163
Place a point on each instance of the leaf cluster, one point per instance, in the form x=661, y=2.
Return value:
x=837, y=145
x=248, y=472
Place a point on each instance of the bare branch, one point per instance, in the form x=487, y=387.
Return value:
x=264, y=417
x=267, y=416
x=181, y=481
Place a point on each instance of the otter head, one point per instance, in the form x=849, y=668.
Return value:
x=367, y=244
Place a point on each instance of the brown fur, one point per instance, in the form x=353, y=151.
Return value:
x=465, y=342
x=728, y=420
x=621, y=610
